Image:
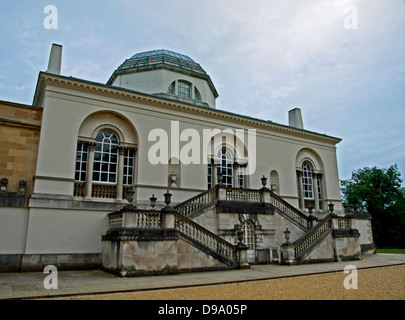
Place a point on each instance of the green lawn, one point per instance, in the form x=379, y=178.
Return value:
x=390, y=250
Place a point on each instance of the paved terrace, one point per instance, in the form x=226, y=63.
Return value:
x=30, y=284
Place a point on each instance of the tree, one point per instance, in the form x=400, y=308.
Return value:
x=381, y=192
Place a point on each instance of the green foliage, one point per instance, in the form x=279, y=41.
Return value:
x=390, y=250
x=380, y=190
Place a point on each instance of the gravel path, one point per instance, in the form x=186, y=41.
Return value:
x=386, y=283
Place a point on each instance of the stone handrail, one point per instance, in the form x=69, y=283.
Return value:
x=307, y=241
x=145, y=219
x=107, y=191
x=211, y=196
x=152, y=219
x=204, y=237
x=79, y=189
x=115, y=219
x=285, y=208
x=198, y=202
x=243, y=195
x=343, y=223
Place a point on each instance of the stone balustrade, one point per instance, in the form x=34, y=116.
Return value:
x=335, y=232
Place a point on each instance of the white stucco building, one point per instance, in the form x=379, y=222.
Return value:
x=154, y=126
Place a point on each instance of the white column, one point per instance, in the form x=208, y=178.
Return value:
x=89, y=173
x=120, y=176
x=315, y=188
x=301, y=190
x=214, y=181
x=235, y=181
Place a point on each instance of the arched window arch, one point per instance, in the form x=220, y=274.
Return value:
x=184, y=89
x=248, y=229
x=105, y=166
x=226, y=161
x=310, y=183
x=307, y=183
x=249, y=239
x=225, y=165
x=105, y=163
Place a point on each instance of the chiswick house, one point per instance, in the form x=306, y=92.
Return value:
x=144, y=175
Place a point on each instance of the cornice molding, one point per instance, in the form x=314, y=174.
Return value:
x=45, y=79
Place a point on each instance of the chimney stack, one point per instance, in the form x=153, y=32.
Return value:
x=295, y=118
x=55, y=59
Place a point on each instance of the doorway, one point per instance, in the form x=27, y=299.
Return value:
x=248, y=228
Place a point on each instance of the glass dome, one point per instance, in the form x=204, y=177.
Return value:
x=162, y=51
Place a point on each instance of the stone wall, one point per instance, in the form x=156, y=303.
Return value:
x=169, y=255
x=20, y=127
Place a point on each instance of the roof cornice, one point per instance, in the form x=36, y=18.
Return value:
x=45, y=79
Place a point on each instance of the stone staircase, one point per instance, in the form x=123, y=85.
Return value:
x=130, y=224
x=173, y=237
x=198, y=204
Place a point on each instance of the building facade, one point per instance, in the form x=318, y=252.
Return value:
x=85, y=150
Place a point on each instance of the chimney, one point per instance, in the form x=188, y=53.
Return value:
x=55, y=59
x=295, y=118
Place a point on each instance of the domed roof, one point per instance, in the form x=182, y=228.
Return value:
x=161, y=51
x=153, y=60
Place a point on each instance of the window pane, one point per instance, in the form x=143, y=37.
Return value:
x=184, y=89
x=171, y=88
x=96, y=176
x=81, y=161
x=105, y=161
x=128, y=166
x=113, y=168
x=197, y=95
x=226, y=167
x=307, y=181
x=114, y=158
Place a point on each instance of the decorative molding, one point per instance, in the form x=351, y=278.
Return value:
x=99, y=88
x=54, y=178
x=16, y=123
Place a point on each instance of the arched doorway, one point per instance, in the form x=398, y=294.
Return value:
x=248, y=229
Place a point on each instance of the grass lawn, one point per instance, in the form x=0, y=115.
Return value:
x=390, y=250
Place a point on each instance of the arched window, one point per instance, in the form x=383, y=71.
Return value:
x=310, y=181
x=105, y=157
x=249, y=234
x=184, y=89
x=307, y=181
x=225, y=165
x=248, y=229
x=233, y=174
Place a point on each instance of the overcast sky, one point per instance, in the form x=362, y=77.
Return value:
x=341, y=61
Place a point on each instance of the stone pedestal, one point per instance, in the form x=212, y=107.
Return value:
x=287, y=254
x=241, y=256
